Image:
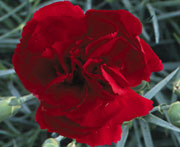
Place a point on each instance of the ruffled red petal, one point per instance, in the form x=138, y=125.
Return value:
x=120, y=21
x=153, y=61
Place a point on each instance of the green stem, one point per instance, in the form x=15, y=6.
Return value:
x=26, y=98
x=159, y=108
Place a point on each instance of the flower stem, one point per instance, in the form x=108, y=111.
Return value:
x=26, y=98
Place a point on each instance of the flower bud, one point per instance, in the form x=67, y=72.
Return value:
x=6, y=108
x=174, y=113
x=141, y=87
x=176, y=87
x=51, y=142
x=72, y=144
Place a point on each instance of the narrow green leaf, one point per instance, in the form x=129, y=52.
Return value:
x=175, y=26
x=168, y=15
x=151, y=93
x=6, y=72
x=12, y=31
x=8, y=9
x=177, y=37
x=146, y=133
x=155, y=22
x=125, y=130
x=161, y=98
x=88, y=5
x=159, y=122
x=13, y=11
x=10, y=41
x=42, y=4
x=166, y=3
x=145, y=34
x=100, y=5
x=171, y=65
x=7, y=133
x=12, y=128
x=136, y=130
x=177, y=136
x=127, y=4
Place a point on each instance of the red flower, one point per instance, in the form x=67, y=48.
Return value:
x=81, y=67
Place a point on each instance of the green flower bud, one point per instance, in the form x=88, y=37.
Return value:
x=72, y=144
x=141, y=87
x=176, y=87
x=51, y=142
x=174, y=113
x=6, y=108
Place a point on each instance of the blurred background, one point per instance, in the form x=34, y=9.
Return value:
x=161, y=30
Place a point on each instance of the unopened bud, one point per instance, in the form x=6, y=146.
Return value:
x=72, y=144
x=51, y=142
x=176, y=87
x=141, y=87
x=174, y=113
x=8, y=107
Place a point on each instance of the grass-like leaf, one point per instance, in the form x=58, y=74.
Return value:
x=7, y=9
x=166, y=3
x=10, y=41
x=159, y=122
x=136, y=130
x=151, y=93
x=168, y=15
x=125, y=130
x=155, y=22
x=88, y=5
x=13, y=11
x=146, y=133
x=171, y=65
x=6, y=72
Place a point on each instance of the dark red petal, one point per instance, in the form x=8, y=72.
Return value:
x=27, y=32
x=53, y=23
x=153, y=61
x=97, y=25
x=58, y=9
x=26, y=35
x=125, y=22
x=122, y=54
x=134, y=69
x=103, y=136
x=133, y=105
x=99, y=115
x=62, y=49
x=121, y=108
x=61, y=124
x=47, y=53
x=54, y=29
x=67, y=97
x=115, y=112
x=130, y=22
x=89, y=135
x=95, y=48
x=130, y=60
x=35, y=72
x=115, y=79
